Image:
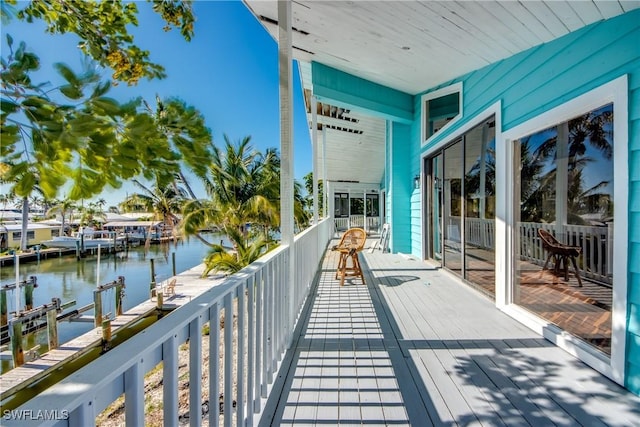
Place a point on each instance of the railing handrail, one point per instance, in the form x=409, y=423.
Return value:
x=87, y=390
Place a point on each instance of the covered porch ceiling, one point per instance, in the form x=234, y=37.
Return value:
x=412, y=46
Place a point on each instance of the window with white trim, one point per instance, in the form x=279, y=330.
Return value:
x=440, y=109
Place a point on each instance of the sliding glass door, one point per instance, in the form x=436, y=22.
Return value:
x=460, y=206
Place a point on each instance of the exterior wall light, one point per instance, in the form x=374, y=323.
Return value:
x=416, y=182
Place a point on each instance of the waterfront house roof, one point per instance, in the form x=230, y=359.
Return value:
x=30, y=226
x=410, y=47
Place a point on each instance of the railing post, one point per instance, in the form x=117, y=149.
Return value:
x=195, y=370
x=251, y=350
x=214, y=364
x=240, y=412
x=134, y=395
x=228, y=359
x=170, y=380
x=83, y=415
x=267, y=329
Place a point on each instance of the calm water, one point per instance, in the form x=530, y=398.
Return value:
x=69, y=279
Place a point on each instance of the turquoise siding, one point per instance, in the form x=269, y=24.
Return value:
x=527, y=84
x=546, y=76
x=353, y=92
x=401, y=188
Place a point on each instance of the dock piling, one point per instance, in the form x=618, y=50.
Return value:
x=28, y=292
x=97, y=307
x=3, y=307
x=106, y=332
x=119, y=295
x=52, y=329
x=16, y=344
x=152, y=285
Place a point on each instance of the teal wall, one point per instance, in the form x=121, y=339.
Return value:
x=546, y=76
x=527, y=84
x=401, y=188
x=346, y=90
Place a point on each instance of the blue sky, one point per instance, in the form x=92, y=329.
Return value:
x=229, y=71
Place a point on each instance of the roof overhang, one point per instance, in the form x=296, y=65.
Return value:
x=410, y=47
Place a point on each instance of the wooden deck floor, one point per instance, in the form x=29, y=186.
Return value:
x=416, y=347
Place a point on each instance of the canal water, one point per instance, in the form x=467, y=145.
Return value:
x=69, y=279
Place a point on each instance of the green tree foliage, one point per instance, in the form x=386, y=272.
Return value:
x=92, y=214
x=539, y=186
x=243, y=188
x=245, y=252
x=88, y=137
x=102, y=28
x=164, y=201
x=64, y=209
x=308, y=185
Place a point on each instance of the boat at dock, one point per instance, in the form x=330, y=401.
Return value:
x=87, y=240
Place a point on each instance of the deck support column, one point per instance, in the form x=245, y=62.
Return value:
x=286, y=152
x=314, y=155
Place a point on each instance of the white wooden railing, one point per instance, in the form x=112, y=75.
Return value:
x=372, y=223
x=264, y=325
x=596, y=258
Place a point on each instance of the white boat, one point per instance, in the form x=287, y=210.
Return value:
x=88, y=240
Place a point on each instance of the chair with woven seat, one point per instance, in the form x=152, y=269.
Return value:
x=350, y=245
x=560, y=253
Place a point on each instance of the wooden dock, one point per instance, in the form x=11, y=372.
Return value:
x=77, y=352
x=416, y=347
x=7, y=260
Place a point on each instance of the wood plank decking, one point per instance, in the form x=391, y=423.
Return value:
x=416, y=347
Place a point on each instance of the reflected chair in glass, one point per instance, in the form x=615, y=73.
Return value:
x=560, y=253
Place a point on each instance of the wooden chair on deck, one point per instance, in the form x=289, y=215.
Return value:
x=170, y=289
x=561, y=254
x=350, y=245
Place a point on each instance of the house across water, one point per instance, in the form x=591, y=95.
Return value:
x=11, y=234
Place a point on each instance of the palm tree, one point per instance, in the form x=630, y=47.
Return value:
x=63, y=208
x=241, y=188
x=534, y=185
x=165, y=202
x=593, y=127
x=245, y=252
x=92, y=214
x=7, y=199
